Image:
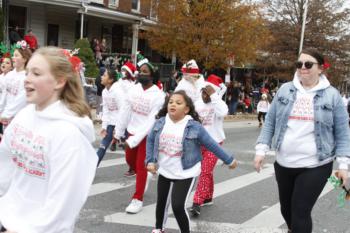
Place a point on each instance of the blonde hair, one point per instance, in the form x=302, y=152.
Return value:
x=72, y=94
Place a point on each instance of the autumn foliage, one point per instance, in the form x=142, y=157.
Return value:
x=208, y=31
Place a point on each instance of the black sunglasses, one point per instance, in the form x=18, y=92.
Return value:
x=308, y=64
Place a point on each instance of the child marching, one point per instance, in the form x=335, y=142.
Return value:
x=142, y=103
x=111, y=105
x=173, y=148
x=47, y=162
x=212, y=110
x=15, y=93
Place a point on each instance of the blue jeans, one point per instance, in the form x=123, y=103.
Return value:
x=106, y=141
x=233, y=106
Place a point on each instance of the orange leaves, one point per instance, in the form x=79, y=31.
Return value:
x=208, y=30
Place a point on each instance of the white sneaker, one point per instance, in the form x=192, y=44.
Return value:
x=149, y=178
x=134, y=207
x=157, y=231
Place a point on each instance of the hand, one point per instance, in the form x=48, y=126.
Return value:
x=209, y=90
x=233, y=165
x=152, y=168
x=258, y=162
x=342, y=175
x=103, y=133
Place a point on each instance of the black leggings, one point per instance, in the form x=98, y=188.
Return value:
x=178, y=191
x=298, y=190
x=261, y=114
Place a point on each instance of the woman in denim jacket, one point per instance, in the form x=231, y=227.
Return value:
x=174, y=144
x=307, y=125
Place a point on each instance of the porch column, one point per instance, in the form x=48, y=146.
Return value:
x=135, y=41
x=173, y=58
x=81, y=25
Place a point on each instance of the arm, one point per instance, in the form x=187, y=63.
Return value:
x=206, y=140
x=68, y=190
x=104, y=113
x=341, y=134
x=150, y=158
x=220, y=107
x=7, y=167
x=134, y=140
x=223, y=89
x=123, y=118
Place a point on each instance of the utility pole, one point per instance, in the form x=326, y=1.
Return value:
x=305, y=6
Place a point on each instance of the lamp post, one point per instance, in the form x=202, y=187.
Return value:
x=305, y=6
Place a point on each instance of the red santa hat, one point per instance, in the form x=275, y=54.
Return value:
x=214, y=81
x=130, y=68
x=190, y=67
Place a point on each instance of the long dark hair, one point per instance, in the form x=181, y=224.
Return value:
x=189, y=103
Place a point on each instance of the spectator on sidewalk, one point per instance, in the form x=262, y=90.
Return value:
x=262, y=108
x=31, y=40
x=14, y=35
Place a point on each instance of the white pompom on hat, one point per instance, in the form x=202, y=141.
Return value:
x=130, y=68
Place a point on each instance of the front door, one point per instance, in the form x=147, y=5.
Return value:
x=52, y=34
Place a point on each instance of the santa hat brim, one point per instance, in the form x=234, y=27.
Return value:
x=128, y=70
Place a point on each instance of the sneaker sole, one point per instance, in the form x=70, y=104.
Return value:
x=207, y=204
x=129, y=175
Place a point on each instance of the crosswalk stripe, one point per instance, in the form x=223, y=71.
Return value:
x=121, y=161
x=107, y=187
x=273, y=214
x=112, y=162
x=146, y=216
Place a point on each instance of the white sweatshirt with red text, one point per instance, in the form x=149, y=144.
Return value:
x=212, y=116
x=138, y=113
x=112, y=101
x=47, y=165
x=15, y=94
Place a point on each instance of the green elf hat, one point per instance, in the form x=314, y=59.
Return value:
x=141, y=60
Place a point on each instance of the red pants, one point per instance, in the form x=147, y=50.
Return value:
x=205, y=186
x=135, y=158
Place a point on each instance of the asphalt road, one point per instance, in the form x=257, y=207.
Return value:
x=244, y=201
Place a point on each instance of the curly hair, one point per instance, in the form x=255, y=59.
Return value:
x=189, y=103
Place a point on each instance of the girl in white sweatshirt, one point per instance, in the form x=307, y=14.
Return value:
x=15, y=93
x=142, y=104
x=111, y=105
x=262, y=108
x=47, y=162
x=6, y=67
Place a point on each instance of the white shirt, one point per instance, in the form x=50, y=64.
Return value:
x=47, y=165
x=170, y=151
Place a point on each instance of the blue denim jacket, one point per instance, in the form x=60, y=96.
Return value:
x=194, y=136
x=330, y=118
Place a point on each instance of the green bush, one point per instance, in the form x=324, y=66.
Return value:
x=87, y=56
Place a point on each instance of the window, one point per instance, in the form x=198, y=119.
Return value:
x=113, y=3
x=153, y=11
x=135, y=5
